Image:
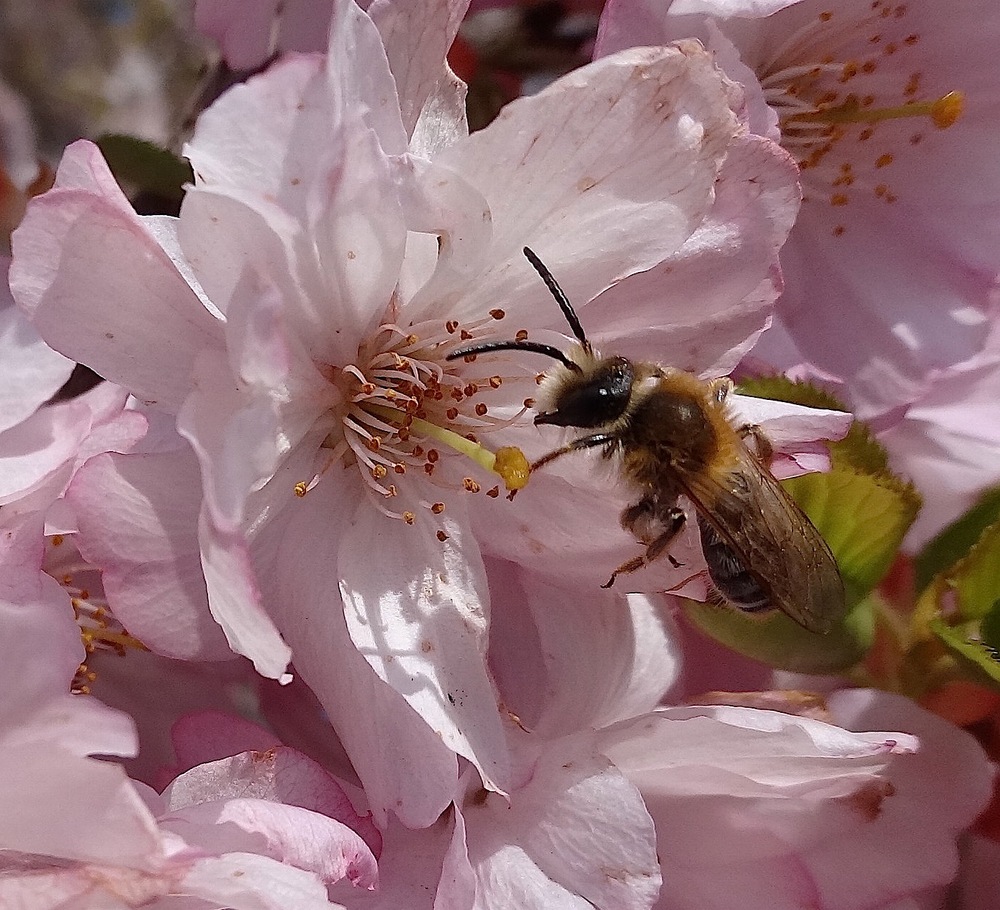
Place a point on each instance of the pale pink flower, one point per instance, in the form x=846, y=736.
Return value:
x=891, y=266
x=288, y=392
x=948, y=442
x=787, y=811
x=75, y=827
x=778, y=808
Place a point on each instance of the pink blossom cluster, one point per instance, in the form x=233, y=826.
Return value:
x=281, y=638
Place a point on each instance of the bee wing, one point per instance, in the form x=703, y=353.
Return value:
x=774, y=540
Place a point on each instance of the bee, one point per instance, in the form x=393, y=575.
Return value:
x=674, y=437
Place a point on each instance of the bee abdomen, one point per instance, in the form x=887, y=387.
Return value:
x=728, y=573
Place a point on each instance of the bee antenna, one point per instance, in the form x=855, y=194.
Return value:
x=559, y=294
x=486, y=347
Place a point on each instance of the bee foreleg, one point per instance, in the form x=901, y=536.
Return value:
x=762, y=445
x=577, y=445
x=720, y=388
x=673, y=518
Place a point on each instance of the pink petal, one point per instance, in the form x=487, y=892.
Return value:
x=68, y=275
x=246, y=881
x=577, y=834
x=655, y=189
x=546, y=639
x=266, y=136
x=73, y=808
x=30, y=371
x=138, y=520
x=702, y=308
x=241, y=29
x=586, y=550
x=417, y=37
x=41, y=450
x=206, y=736
x=359, y=76
x=421, y=623
x=416, y=779
x=938, y=791
x=259, y=792
x=788, y=810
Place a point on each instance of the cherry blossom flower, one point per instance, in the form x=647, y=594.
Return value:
x=946, y=442
x=342, y=236
x=778, y=802
x=888, y=273
x=255, y=830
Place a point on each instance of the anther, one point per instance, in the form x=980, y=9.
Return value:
x=437, y=508
x=301, y=488
x=451, y=326
x=379, y=471
x=521, y=335
x=399, y=468
x=409, y=517
x=493, y=492
x=442, y=536
x=495, y=382
x=470, y=485
x=497, y=313
x=481, y=409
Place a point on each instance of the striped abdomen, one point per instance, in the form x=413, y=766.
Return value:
x=729, y=574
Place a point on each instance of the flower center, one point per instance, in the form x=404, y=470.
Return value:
x=407, y=411
x=850, y=100
x=99, y=629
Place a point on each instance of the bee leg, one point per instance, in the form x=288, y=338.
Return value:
x=675, y=519
x=720, y=388
x=762, y=445
x=577, y=445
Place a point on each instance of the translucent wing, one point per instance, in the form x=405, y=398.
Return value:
x=771, y=538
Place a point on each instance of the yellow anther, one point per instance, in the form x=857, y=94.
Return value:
x=301, y=488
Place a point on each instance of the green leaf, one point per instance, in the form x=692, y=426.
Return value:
x=965, y=608
x=146, y=166
x=784, y=644
x=957, y=539
x=989, y=630
x=976, y=659
x=976, y=578
x=862, y=517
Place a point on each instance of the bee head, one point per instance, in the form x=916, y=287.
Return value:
x=593, y=397
x=586, y=390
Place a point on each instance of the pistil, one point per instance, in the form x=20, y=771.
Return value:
x=508, y=462
x=943, y=111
